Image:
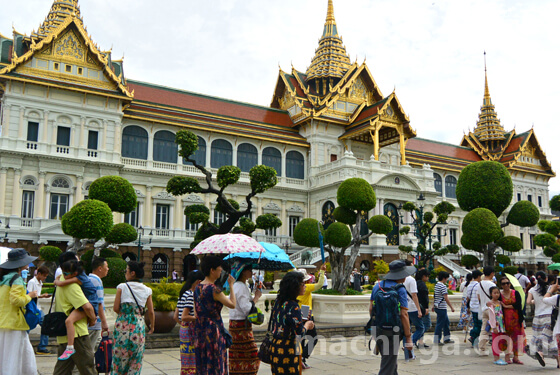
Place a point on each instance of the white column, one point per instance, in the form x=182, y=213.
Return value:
x=79, y=186
x=16, y=195
x=178, y=214
x=284, y=217
x=104, y=137
x=21, y=125
x=259, y=207
x=41, y=196
x=45, y=137
x=6, y=121
x=148, y=207
x=3, y=176
x=83, y=131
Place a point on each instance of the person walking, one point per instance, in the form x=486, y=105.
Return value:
x=465, y=318
x=67, y=299
x=36, y=285
x=513, y=320
x=210, y=343
x=387, y=338
x=551, y=298
x=441, y=301
x=414, y=313
x=243, y=354
x=473, y=305
x=288, y=326
x=542, y=344
x=16, y=352
x=184, y=315
x=483, y=294
x=100, y=269
x=131, y=301
x=310, y=339
x=422, y=277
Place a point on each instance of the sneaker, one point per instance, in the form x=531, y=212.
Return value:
x=305, y=366
x=43, y=352
x=66, y=355
x=449, y=342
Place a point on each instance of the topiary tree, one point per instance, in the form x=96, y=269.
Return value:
x=469, y=261
x=117, y=271
x=50, y=255
x=261, y=179
x=485, y=190
x=424, y=225
x=91, y=220
x=354, y=196
x=87, y=257
x=550, y=239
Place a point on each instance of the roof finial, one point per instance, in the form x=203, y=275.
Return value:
x=330, y=23
x=486, y=91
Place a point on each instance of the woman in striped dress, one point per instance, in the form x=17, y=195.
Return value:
x=184, y=315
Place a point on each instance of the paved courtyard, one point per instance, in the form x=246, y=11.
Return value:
x=350, y=356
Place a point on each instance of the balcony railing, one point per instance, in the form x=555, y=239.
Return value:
x=31, y=145
x=135, y=162
x=92, y=153
x=63, y=149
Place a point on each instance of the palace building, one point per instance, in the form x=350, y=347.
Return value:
x=69, y=115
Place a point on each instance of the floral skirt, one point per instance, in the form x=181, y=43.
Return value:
x=465, y=320
x=129, y=336
x=543, y=340
x=243, y=353
x=188, y=359
x=286, y=356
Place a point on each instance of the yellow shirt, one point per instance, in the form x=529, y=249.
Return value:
x=12, y=301
x=67, y=298
x=306, y=299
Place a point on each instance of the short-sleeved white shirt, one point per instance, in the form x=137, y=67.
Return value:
x=411, y=287
x=541, y=308
x=141, y=292
x=523, y=280
x=472, y=293
x=483, y=289
x=35, y=285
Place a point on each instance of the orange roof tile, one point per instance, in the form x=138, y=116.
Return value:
x=441, y=149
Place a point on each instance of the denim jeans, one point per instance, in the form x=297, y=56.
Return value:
x=44, y=340
x=442, y=325
x=418, y=333
x=477, y=325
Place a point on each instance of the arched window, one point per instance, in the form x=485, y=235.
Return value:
x=135, y=143
x=247, y=157
x=272, y=157
x=437, y=183
x=61, y=182
x=221, y=153
x=450, y=186
x=295, y=165
x=199, y=155
x=165, y=148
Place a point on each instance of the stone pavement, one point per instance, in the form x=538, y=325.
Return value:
x=350, y=356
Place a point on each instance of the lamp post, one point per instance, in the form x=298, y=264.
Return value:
x=140, y=232
x=286, y=245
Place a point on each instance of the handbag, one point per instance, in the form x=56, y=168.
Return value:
x=54, y=323
x=255, y=316
x=265, y=350
x=32, y=314
x=227, y=336
x=104, y=355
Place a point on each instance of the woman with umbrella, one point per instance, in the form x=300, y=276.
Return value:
x=243, y=354
x=513, y=320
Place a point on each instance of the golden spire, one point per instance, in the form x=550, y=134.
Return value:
x=488, y=128
x=331, y=59
x=60, y=10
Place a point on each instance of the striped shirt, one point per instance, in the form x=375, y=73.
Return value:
x=186, y=301
x=98, y=284
x=440, y=291
x=472, y=294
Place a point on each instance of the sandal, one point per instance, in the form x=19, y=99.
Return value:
x=509, y=361
x=540, y=359
x=518, y=362
x=500, y=362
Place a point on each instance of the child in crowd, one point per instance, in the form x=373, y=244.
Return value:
x=73, y=267
x=496, y=322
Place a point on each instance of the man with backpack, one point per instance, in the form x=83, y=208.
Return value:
x=389, y=305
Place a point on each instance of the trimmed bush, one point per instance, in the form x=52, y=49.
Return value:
x=428, y=217
x=524, y=214
x=89, y=218
x=268, y=221
x=116, y=191
x=512, y=270
x=306, y=233
x=228, y=175
x=180, y=185
x=356, y=194
x=550, y=251
x=469, y=260
x=481, y=227
x=345, y=215
x=553, y=227
x=556, y=258
x=485, y=184
x=233, y=203
x=117, y=271
x=262, y=178
x=187, y=142
x=105, y=253
x=380, y=224
x=50, y=253
x=544, y=239
x=121, y=233
x=338, y=235
x=555, y=203
x=510, y=243
x=503, y=259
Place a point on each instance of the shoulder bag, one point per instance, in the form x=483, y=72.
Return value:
x=142, y=311
x=54, y=323
x=265, y=350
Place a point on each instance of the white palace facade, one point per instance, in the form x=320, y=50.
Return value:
x=69, y=115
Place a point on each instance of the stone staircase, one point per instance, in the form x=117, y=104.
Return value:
x=315, y=258
x=454, y=267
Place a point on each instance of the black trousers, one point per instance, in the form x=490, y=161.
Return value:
x=309, y=341
x=387, y=342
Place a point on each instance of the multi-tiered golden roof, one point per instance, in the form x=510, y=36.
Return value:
x=488, y=127
x=60, y=10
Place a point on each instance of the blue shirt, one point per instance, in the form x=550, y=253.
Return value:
x=100, y=299
x=403, y=297
x=90, y=291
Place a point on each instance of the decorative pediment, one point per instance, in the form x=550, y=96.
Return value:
x=193, y=198
x=272, y=207
x=395, y=181
x=296, y=208
x=164, y=195
x=139, y=193
x=69, y=47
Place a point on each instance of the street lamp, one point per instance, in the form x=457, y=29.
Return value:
x=286, y=245
x=140, y=232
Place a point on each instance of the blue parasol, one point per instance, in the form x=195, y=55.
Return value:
x=321, y=242
x=273, y=258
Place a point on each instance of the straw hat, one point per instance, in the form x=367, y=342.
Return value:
x=306, y=276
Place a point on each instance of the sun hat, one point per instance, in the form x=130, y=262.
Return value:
x=17, y=258
x=399, y=270
x=238, y=267
x=306, y=276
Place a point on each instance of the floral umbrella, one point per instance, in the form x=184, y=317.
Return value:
x=228, y=243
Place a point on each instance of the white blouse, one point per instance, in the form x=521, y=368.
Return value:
x=141, y=292
x=242, y=301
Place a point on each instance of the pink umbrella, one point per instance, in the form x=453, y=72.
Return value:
x=227, y=244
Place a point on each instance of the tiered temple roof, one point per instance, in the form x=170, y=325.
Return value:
x=60, y=10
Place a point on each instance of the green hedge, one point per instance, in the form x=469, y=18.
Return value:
x=122, y=233
x=105, y=253
x=117, y=271
x=334, y=292
x=50, y=253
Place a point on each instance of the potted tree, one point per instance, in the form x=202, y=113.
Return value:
x=164, y=297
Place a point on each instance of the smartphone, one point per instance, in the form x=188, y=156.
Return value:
x=305, y=312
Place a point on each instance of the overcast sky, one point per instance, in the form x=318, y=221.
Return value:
x=430, y=51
